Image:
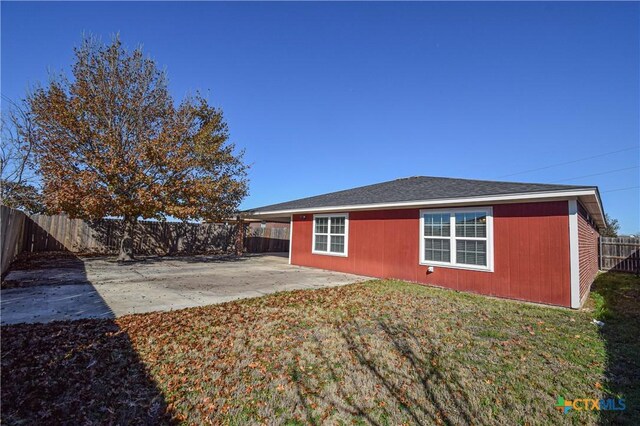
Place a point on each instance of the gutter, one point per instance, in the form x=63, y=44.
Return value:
x=503, y=198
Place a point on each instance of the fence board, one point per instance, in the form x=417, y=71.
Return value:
x=12, y=239
x=620, y=254
x=272, y=238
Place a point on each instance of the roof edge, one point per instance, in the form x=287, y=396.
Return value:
x=538, y=196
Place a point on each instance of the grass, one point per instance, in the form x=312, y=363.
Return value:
x=380, y=352
x=616, y=301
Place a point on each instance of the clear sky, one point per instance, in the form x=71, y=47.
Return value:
x=331, y=96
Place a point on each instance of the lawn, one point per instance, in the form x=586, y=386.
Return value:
x=380, y=352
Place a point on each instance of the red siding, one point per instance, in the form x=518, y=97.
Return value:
x=531, y=251
x=587, y=251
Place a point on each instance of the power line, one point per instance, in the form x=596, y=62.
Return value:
x=599, y=174
x=569, y=162
x=622, y=189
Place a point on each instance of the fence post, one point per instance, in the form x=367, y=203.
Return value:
x=600, y=253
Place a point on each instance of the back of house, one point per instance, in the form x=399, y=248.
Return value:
x=525, y=241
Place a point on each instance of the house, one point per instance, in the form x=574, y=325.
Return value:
x=525, y=241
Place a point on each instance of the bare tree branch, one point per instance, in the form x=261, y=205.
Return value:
x=19, y=182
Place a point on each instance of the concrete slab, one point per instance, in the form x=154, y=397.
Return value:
x=101, y=288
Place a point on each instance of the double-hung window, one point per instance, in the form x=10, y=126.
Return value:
x=330, y=234
x=461, y=238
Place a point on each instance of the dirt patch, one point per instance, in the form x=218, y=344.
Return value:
x=13, y=284
x=45, y=269
x=28, y=261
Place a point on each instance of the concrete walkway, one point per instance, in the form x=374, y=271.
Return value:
x=101, y=288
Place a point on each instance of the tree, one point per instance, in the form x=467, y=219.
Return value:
x=18, y=180
x=111, y=142
x=22, y=196
x=612, y=228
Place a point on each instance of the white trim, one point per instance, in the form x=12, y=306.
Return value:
x=290, y=239
x=574, y=259
x=452, y=238
x=346, y=235
x=539, y=196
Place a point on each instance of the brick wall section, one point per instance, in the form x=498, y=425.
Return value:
x=587, y=251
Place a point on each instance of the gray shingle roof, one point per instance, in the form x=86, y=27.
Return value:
x=417, y=188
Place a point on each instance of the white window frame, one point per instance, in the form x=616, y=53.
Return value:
x=452, y=238
x=346, y=234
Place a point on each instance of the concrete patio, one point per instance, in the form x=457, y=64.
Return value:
x=98, y=287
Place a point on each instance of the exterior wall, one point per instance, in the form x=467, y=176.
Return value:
x=531, y=251
x=587, y=251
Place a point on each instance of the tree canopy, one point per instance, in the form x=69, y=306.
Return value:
x=612, y=228
x=111, y=141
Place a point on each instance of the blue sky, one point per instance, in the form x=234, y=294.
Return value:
x=330, y=96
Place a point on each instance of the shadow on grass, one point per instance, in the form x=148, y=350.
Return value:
x=617, y=299
x=76, y=372
x=437, y=399
x=69, y=372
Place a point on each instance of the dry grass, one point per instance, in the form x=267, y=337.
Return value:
x=381, y=352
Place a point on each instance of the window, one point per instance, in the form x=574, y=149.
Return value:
x=330, y=234
x=460, y=238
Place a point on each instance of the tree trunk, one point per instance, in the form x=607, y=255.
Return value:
x=126, y=244
x=239, y=240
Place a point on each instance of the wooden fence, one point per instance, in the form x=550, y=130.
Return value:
x=620, y=254
x=272, y=237
x=11, y=226
x=40, y=233
x=54, y=233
